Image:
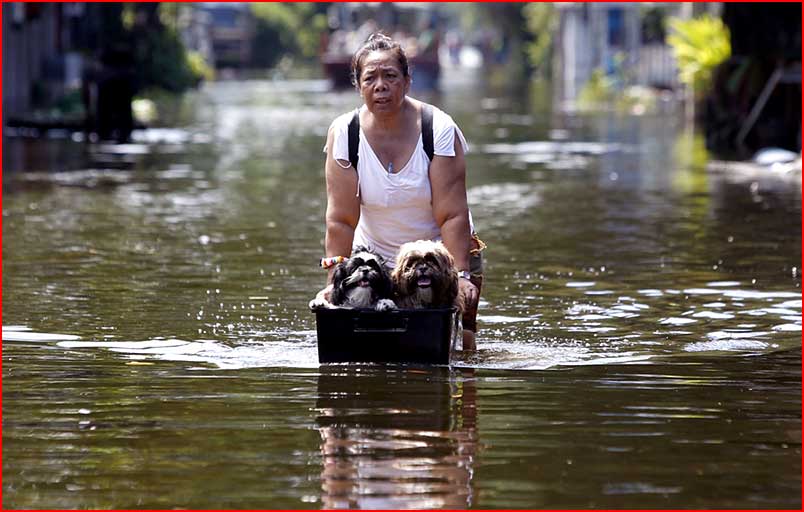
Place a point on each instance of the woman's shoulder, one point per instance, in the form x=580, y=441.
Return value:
x=444, y=130
x=341, y=122
x=338, y=134
x=438, y=114
x=442, y=121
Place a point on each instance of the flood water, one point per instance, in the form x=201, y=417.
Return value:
x=640, y=325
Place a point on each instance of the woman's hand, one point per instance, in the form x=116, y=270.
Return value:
x=468, y=291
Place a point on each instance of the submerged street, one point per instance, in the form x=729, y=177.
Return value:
x=640, y=322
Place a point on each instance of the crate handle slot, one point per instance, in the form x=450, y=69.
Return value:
x=363, y=324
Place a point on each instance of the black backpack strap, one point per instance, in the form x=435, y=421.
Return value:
x=427, y=130
x=354, y=137
x=427, y=134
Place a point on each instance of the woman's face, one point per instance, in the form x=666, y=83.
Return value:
x=382, y=85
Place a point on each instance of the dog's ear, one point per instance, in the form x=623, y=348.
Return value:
x=445, y=258
x=338, y=276
x=398, y=277
x=451, y=293
x=446, y=264
x=386, y=286
x=445, y=289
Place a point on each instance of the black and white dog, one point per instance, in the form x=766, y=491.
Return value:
x=362, y=281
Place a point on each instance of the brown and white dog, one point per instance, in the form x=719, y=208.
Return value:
x=425, y=276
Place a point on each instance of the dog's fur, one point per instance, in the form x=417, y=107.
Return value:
x=425, y=276
x=362, y=281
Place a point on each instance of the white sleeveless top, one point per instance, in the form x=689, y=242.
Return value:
x=396, y=208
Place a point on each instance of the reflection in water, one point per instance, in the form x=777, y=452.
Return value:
x=397, y=438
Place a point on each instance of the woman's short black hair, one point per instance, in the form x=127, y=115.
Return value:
x=381, y=42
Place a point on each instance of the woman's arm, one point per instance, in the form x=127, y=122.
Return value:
x=451, y=212
x=343, y=206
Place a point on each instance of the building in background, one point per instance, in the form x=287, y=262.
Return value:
x=415, y=25
x=624, y=41
x=65, y=67
x=592, y=36
x=231, y=31
x=42, y=61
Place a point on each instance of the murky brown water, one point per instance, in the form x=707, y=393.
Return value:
x=640, y=336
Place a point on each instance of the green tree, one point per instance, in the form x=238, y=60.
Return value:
x=288, y=29
x=541, y=20
x=160, y=60
x=699, y=44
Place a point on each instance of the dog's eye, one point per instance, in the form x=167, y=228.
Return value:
x=357, y=262
x=429, y=258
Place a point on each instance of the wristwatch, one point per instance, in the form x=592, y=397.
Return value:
x=464, y=274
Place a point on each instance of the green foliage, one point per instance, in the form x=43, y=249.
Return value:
x=310, y=39
x=699, y=44
x=128, y=15
x=605, y=92
x=282, y=29
x=161, y=61
x=169, y=13
x=270, y=43
x=598, y=90
x=199, y=67
x=71, y=104
x=541, y=21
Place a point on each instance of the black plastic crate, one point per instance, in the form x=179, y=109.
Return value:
x=422, y=336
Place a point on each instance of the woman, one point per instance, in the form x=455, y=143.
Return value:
x=397, y=194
